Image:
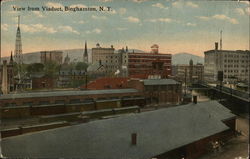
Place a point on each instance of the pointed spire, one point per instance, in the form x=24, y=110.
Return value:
x=85, y=55
x=18, y=24
x=221, y=40
x=11, y=58
x=126, y=48
x=85, y=49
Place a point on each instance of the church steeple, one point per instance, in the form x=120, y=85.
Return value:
x=11, y=58
x=85, y=55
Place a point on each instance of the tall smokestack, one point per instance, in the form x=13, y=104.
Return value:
x=195, y=99
x=133, y=139
x=5, y=78
x=216, y=46
x=221, y=40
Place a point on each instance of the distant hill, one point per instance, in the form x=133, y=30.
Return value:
x=184, y=58
x=75, y=55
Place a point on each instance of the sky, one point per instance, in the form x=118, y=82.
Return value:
x=176, y=26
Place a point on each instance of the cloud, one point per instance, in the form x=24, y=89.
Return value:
x=159, y=5
x=4, y=27
x=139, y=1
x=98, y=17
x=166, y=20
x=56, y=5
x=81, y=22
x=121, y=29
x=96, y=31
x=190, y=24
x=132, y=19
x=192, y=5
x=78, y=5
x=219, y=17
x=177, y=4
x=35, y=28
x=203, y=18
x=105, y=0
x=122, y=11
x=180, y=4
x=38, y=14
x=68, y=29
x=240, y=11
x=224, y=17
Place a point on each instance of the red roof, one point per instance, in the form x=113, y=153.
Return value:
x=107, y=83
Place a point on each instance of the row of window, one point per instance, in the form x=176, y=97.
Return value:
x=72, y=101
x=236, y=71
x=237, y=56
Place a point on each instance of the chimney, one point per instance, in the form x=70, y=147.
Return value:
x=216, y=46
x=5, y=78
x=195, y=99
x=133, y=138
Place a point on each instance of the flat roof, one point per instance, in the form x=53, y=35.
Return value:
x=232, y=51
x=158, y=131
x=160, y=82
x=66, y=93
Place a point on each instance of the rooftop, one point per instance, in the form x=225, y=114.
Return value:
x=160, y=82
x=157, y=132
x=65, y=93
x=231, y=51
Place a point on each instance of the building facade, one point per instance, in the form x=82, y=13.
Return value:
x=188, y=73
x=51, y=56
x=233, y=64
x=107, y=58
x=143, y=65
x=7, y=76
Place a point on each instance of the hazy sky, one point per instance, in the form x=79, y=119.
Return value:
x=176, y=26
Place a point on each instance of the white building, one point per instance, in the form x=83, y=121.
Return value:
x=234, y=64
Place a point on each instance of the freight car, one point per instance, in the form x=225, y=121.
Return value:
x=53, y=109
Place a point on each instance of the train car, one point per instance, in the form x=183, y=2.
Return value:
x=107, y=104
x=128, y=101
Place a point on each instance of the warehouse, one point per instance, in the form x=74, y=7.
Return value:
x=185, y=131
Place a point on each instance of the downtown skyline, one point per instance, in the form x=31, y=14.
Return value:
x=176, y=26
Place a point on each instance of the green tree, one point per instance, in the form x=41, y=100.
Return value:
x=35, y=67
x=51, y=69
x=81, y=66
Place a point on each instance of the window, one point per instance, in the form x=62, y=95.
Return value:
x=59, y=102
x=43, y=102
x=72, y=101
x=27, y=103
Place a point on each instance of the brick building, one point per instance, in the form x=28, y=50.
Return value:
x=142, y=65
x=51, y=56
x=155, y=91
x=158, y=91
x=107, y=83
x=10, y=74
x=42, y=81
x=132, y=64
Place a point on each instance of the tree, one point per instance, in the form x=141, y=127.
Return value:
x=35, y=67
x=81, y=66
x=51, y=69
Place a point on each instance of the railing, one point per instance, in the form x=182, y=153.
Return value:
x=238, y=93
